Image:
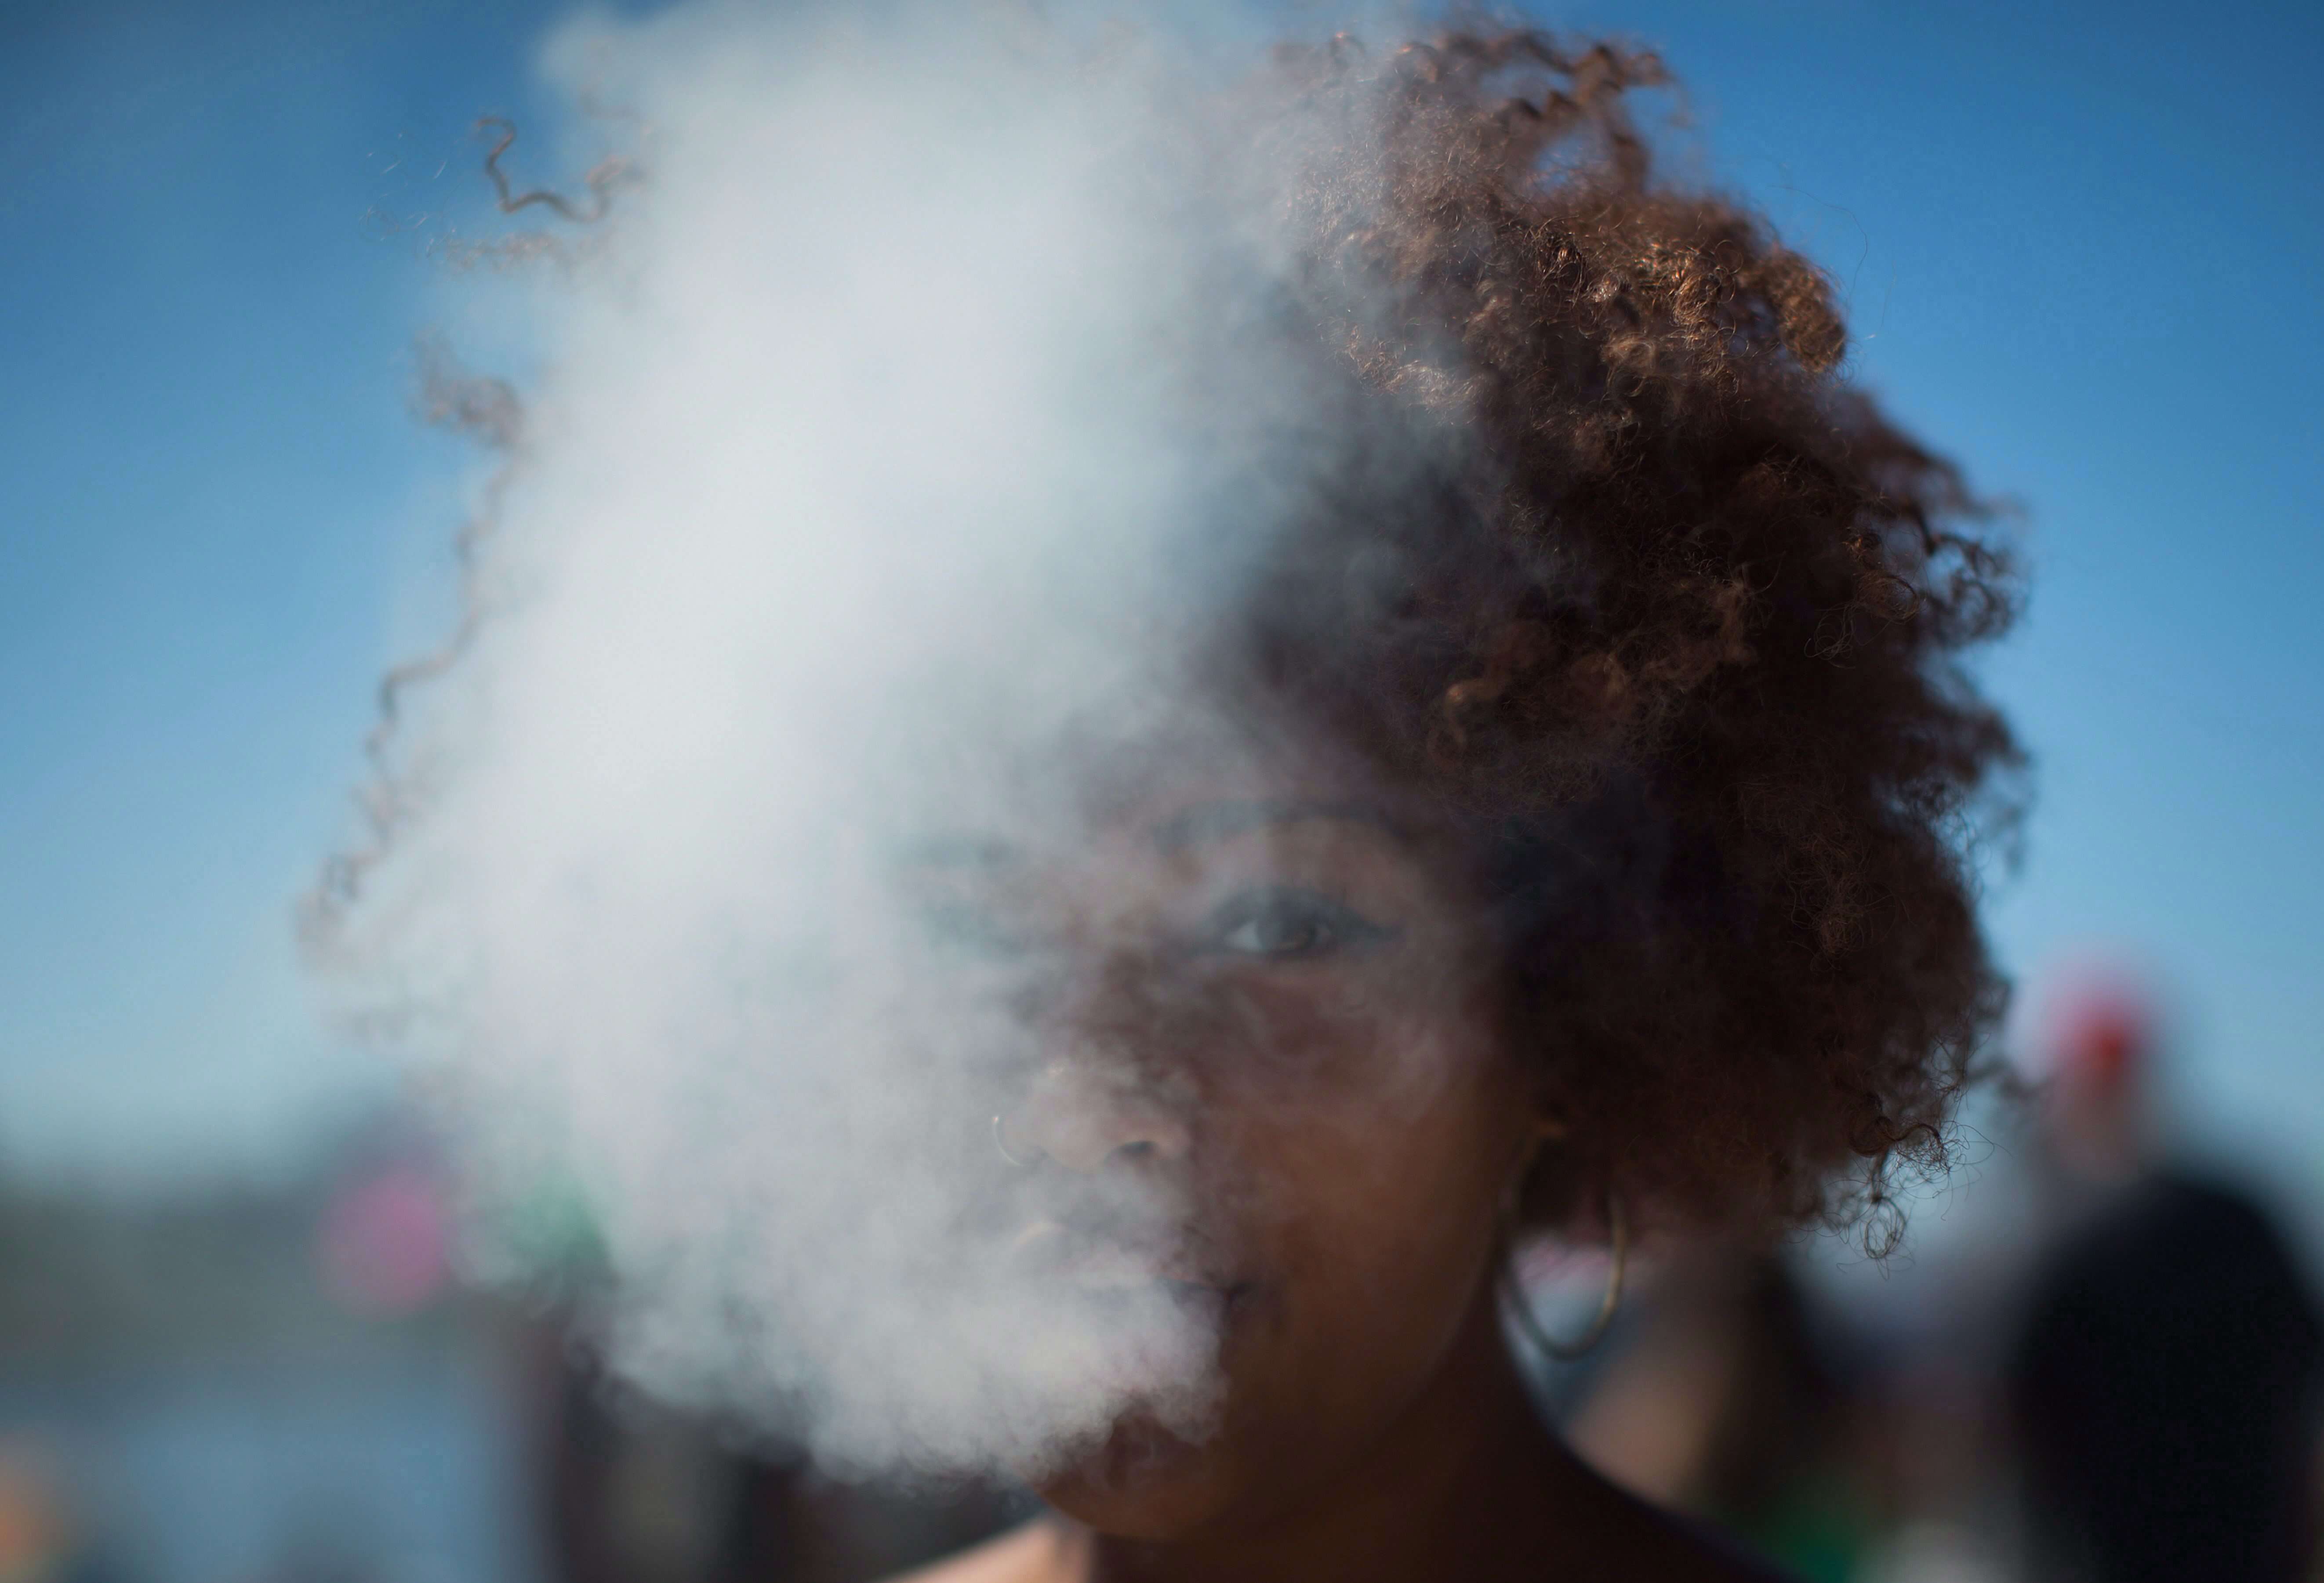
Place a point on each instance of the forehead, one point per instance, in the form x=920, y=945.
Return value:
x=1205, y=821
x=1181, y=793
x=1192, y=814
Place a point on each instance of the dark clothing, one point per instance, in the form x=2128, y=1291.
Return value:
x=2165, y=1388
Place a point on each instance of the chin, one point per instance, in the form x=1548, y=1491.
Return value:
x=1143, y=1481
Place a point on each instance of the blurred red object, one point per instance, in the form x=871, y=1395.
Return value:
x=2098, y=1035
x=2098, y=1028
x=2104, y=1033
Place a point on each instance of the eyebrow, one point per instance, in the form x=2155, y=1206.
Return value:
x=957, y=851
x=1205, y=823
x=1219, y=821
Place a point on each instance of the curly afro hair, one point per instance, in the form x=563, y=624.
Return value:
x=1668, y=621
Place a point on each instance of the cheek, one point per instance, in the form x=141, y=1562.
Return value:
x=1367, y=1124
x=1322, y=1041
x=1367, y=1238
x=1347, y=1145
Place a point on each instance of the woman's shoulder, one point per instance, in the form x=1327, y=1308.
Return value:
x=1025, y=1554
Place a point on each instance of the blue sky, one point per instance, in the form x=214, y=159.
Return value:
x=2083, y=246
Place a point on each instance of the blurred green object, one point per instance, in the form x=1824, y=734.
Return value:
x=1817, y=1528
x=552, y=1232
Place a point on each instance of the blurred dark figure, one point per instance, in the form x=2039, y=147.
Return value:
x=632, y=1492
x=2164, y=1387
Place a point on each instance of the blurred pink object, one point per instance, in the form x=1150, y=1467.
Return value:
x=384, y=1245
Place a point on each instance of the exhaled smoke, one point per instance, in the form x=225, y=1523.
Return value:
x=913, y=408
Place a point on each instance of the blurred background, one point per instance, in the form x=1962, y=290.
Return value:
x=2083, y=250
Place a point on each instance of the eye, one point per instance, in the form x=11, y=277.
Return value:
x=1282, y=922
x=970, y=933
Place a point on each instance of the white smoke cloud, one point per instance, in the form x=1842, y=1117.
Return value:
x=881, y=445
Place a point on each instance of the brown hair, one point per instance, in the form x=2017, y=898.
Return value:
x=1668, y=613
x=1609, y=561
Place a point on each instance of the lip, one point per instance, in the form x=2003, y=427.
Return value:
x=1050, y=1251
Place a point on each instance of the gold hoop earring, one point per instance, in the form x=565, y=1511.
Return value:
x=1618, y=1228
x=999, y=1142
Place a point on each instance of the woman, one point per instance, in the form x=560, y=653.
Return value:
x=1588, y=856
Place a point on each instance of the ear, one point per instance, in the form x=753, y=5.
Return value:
x=1547, y=1185
x=1539, y=1140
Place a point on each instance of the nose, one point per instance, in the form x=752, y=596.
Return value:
x=1111, y=1084
x=1088, y=1112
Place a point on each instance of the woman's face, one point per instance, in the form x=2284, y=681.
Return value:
x=1265, y=996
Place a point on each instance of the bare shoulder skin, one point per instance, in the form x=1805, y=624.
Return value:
x=1033, y=1553
x=1045, y=1552
x=1054, y=1550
